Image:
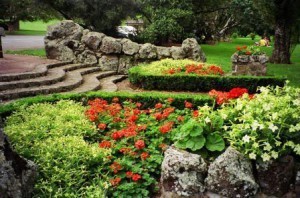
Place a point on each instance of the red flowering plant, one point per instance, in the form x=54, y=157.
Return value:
x=249, y=50
x=136, y=139
x=200, y=69
x=223, y=97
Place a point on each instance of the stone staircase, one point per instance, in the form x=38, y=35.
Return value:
x=56, y=78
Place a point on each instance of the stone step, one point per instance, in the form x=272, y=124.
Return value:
x=108, y=83
x=54, y=75
x=91, y=82
x=72, y=80
x=38, y=71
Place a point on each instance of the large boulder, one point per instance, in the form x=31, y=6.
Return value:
x=148, y=51
x=109, y=63
x=276, y=177
x=183, y=174
x=129, y=47
x=17, y=175
x=177, y=53
x=66, y=29
x=231, y=175
x=110, y=45
x=62, y=39
x=87, y=57
x=93, y=40
x=193, y=50
x=163, y=52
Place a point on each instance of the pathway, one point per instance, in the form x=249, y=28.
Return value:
x=17, y=42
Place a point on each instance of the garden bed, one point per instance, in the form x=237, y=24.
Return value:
x=112, y=144
x=155, y=77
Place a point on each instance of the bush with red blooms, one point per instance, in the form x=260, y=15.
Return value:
x=200, y=69
x=136, y=139
x=249, y=50
x=223, y=97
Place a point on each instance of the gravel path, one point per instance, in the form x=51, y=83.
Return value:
x=17, y=42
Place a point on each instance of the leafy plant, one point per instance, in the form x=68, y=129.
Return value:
x=201, y=132
x=267, y=126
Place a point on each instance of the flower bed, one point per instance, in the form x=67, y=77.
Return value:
x=154, y=77
x=115, y=147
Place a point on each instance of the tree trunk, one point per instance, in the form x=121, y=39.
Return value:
x=281, y=53
x=13, y=26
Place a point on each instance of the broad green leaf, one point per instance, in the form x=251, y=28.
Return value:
x=215, y=142
x=199, y=142
x=181, y=144
x=197, y=130
x=190, y=144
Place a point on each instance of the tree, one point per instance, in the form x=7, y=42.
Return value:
x=283, y=16
x=99, y=15
x=12, y=11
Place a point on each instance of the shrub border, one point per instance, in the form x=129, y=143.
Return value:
x=180, y=82
x=148, y=98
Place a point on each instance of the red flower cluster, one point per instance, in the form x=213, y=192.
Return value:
x=200, y=69
x=116, y=181
x=105, y=144
x=222, y=97
x=140, y=144
x=115, y=167
x=167, y=127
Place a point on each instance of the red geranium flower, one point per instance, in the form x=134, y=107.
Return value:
x=102, y=126
x=158, y=105
x=166, y=127
x=116, y=181
x=144, y=155
x=115, y=167
x=180, y=118
x=188, y=104
x=115, y=100
x=136, y=177
x=140, y=144
x=105, y=144
x=129, y=174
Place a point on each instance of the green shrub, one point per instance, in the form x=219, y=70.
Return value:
x=148, y=99
x=267, y=126
x=235, y=35
x=53, y=137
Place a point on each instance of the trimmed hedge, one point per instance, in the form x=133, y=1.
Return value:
x=182, y=82
x=147, y=99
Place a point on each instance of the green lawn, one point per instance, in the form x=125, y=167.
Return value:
x=31, y=52
x=220, y=54
x=33, y=28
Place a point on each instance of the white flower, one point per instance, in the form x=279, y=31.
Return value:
x=207, y=120
x=255, y=145
x=246, y=139
x=266, y=157
x=272, y=127
x=224, y=116
x=297, y=149
x=225, y=127
x=274, y=154
x=268, y=147
x=267, y=107
x=296, y=102
x=252, y=156
x=277, y=143
x=275, y=116
x=255, y=125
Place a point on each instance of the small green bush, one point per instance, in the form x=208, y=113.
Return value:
x=235, y=35
x=267, y=126
x=53, y=137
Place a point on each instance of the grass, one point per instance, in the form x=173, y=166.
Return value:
x=220, y=54
x=33, y=28
x=30, y=52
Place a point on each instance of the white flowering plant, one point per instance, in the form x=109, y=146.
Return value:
x=265, y=127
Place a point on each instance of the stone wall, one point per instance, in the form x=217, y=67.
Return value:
x=68, y=41
x=254, y=65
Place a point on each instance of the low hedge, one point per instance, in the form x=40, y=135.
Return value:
x=147, y=99
x=193, y=82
